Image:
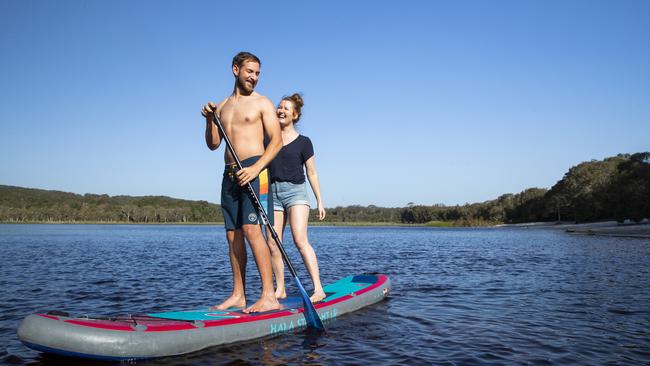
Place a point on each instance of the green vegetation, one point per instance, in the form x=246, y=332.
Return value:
x=36, y=205
x=614, y=188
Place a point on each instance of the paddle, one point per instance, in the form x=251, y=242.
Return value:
x=311, y=315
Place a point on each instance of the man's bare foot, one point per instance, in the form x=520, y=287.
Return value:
x=265, y=303
x=317, y=296
x=280, y=293
x=233, y=301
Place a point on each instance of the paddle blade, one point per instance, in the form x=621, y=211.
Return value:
x=311, y=315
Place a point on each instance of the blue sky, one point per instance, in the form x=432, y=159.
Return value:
x=425, y=102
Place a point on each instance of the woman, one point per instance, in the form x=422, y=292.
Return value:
x=290, y=202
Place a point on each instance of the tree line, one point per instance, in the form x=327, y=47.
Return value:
x=616, y=187
x=19, y=204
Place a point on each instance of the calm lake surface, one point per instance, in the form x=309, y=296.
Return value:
x=460, y=296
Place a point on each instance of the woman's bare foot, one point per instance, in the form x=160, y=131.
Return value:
x=317, y=296
x=234, y=301
x=280, y=293
x=265, y=303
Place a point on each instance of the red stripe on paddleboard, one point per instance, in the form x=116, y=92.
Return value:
x=164, y=328
x=48, y=316
x=109, y=326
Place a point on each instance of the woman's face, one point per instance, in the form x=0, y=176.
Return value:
x=286, y=113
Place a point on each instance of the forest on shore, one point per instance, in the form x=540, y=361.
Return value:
x=616, y=187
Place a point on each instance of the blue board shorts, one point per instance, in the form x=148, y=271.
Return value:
x=287, y=194
x=237, y=205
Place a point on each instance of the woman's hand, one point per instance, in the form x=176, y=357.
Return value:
x=321, y=211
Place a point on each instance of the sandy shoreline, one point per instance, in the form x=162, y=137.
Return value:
x=606, y=228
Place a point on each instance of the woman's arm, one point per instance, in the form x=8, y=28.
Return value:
x=312, y=175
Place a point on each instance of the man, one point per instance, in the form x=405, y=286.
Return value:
x=246, y=117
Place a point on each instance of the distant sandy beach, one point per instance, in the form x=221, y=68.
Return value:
x=605, y=228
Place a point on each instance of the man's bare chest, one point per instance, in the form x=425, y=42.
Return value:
x=240, y=114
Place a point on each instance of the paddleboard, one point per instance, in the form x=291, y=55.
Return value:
x=134, y=337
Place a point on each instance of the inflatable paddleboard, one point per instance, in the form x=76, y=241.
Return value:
x=133, y=337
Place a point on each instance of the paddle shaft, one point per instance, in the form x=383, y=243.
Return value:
x=256, y=199
x=309, y=307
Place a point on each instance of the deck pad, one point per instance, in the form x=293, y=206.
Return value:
x=343, y=287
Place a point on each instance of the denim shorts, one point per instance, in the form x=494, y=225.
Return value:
x=287, y=194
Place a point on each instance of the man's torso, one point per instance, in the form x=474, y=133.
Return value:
x=242, y=120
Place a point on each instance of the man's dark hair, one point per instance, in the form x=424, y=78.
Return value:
x=242, y=57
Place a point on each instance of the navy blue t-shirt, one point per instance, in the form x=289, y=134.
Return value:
x=287, y=165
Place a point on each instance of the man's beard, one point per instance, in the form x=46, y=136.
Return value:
x=244, y=86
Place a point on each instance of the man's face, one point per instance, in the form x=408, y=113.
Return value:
x=247, y=75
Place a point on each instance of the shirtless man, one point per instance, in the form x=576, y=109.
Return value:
x=246, y=117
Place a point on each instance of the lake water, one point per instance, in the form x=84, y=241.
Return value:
x=460, y=296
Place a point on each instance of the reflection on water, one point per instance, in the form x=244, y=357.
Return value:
x=478, y=296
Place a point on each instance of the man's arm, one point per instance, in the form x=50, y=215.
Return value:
x=212, y=134
x=272, y=131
